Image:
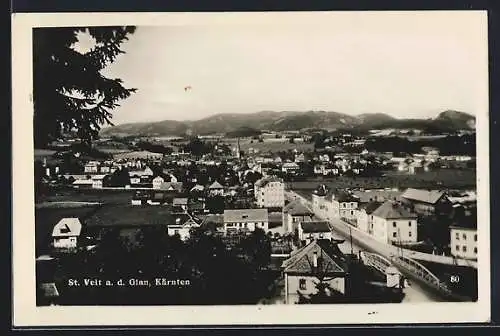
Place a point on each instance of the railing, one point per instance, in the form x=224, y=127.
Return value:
x=422, y=273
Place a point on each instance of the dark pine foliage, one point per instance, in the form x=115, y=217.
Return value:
x=71, y=95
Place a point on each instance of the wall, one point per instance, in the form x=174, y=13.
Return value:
x=395, y=230
x=460, y=238
x=65, y=242
x=293, y=285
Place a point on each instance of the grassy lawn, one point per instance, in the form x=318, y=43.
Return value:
x=90, y=195
x=444, y=178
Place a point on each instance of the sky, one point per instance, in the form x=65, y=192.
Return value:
x=408, y=66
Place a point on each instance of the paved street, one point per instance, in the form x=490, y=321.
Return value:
x=415, y=293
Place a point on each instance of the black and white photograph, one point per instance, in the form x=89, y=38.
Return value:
x=258, y=161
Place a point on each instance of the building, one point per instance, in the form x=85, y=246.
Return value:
x=344, y=205
x=83, y=184
x=91, y=167
x=426, y=202
x=66, y=233
x=97, y=181
x=183, y=229
x=320, y=259
x=294, y=213
x=290, y=168
x=311, y=230
x=171, y=186
x=393, y=223
x=463, y=237
x=270, y=192
x=365, y=215
x=216, y=189
x=245, y=220
x=157, y=182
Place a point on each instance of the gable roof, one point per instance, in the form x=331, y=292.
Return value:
x=245, y=215
x=216, y=185
x=370, y=207
x=67, y=227
x=334, y=262
x=343, y=196
x=315, y=226
x=421, y=195
x=393, y=210
x=367, y=196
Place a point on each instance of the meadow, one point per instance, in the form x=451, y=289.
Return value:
x=438, y=179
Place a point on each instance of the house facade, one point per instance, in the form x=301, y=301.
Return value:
x=270, y=192
x=365, y=216
x=426, y=202
x=245, y=220
x=314, y=230
x=296, y=212
x=65, y=233
x=320, y=260
x=344, y=205
x=392, y=223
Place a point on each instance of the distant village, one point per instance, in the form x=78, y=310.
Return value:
x=270, y=200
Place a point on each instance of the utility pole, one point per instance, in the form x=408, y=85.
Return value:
x=350, y=238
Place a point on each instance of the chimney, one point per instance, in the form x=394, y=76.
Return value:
x=177, y=221
x=47, y=171
x=315, y=259
x=57, y=169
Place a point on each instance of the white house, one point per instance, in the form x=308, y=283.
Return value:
x=91, y=167
x=270, y=192
x=83, y=184
x=216, y=189
x=295, y=213
x=97, y=181
x=157, y=182
x=320, y=258
x=66, y=232
x=290, y=167
x=365, y=216
x=245, y=220
x=393, y=223
x=311, y=230
x=463, y=238
x=182, y=229
x=344, y=205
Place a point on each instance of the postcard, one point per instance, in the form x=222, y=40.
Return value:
x=307, y=168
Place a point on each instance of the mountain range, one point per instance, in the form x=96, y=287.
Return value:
x=449, y=120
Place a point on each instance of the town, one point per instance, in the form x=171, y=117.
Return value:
x=259, y=217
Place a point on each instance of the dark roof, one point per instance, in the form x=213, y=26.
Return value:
x=371, y=207
x=377, y=195
x=421, y=195
x=333, y=260
x=315, y=226
x=343, y=196
x=392, y=210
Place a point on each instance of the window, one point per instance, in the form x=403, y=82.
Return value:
x=457, y=248
x=352, y=212
x=475, y=250
x=464, y=236
x=464, y=248
x=409, y=223
x=457, y=236
x=393, y=224
x=409, y=234
x=302, y=284
x=394, y=234
x=475, y=237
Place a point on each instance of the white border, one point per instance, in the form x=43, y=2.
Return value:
x=25, y=312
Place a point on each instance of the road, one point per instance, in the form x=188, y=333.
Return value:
x=415, y=293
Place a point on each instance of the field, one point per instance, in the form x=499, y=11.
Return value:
x=270, y=146
x=91, y=195
x=443, y=178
